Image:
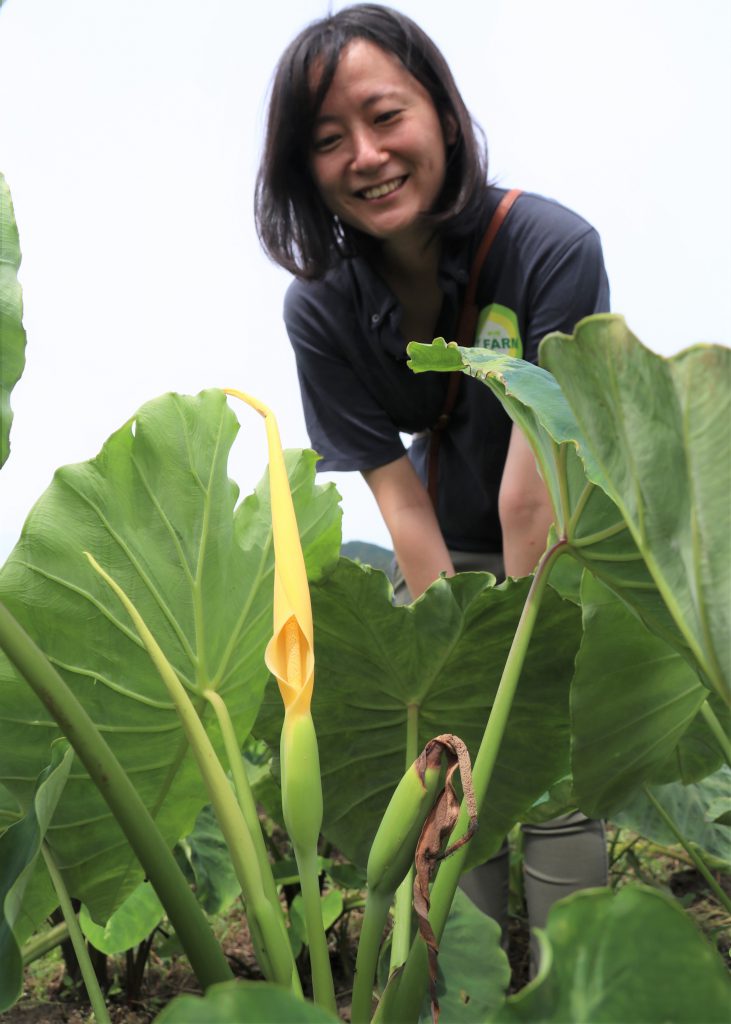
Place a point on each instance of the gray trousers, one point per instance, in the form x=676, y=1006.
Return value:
x=559, y=856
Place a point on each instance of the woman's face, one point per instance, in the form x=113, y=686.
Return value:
x=378, y=153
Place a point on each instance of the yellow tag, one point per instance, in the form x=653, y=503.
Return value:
x=497, y=331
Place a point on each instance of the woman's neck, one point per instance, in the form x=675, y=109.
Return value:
x=411, y=259
x=411, y=273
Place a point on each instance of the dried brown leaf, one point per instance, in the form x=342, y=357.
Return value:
x=437, y=827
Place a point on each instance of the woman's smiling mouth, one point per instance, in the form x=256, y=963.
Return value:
x=378, y=191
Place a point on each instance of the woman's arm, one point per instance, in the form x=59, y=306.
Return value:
x=409, y=515
x=525, y=508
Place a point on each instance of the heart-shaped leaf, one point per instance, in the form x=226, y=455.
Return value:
x=658, y=429
x=431, y=667
x=616, y=536
x=158, y=512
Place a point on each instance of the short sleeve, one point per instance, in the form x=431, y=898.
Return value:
x=345, y=422
x=571, y=285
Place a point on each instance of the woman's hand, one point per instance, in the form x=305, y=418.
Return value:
x=525, y=508
x=409, y=515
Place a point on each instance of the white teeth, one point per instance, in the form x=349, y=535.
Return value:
x=382, y=190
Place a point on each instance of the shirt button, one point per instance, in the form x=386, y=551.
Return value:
x=375, y=318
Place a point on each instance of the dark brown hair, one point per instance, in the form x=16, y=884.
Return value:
x=295, y=227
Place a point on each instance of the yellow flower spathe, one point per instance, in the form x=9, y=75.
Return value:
x=290, y=655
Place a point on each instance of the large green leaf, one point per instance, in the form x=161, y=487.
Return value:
x=587, y=520
x=244, y=1001
x=695, y=810
x=633, y=957
x=659, y=430
x=437, y=663
x=635, y=706
x=129, y=925
x=20, y=849
x=158, y=511
x=12, y=334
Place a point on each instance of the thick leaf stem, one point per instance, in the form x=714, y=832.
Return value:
x=77, y=940
x=401, y=935
x=276, y=950
x=378, y=904
x=369, y=944
x=405, y=1006
x=243, y=794
x=132, y=816
x=322, y=979
x=690, y=849
x=44, y=942
x=719, y=733
x=248, y=809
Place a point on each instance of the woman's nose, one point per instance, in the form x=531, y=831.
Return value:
x=367, y=153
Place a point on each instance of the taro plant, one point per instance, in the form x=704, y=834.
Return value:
x=12, y=334
x=149, y=654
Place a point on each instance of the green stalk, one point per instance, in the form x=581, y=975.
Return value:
x=401, y=935
x=322, y=979
x=276, y=950
x=244, y=794
x=248, y=809
x=719, y=734
x=377, y=907
x=43, y=943
x=378, y=904
x=690, y=849
x=302, y=811
x=405, y=1007
x=205, y=955
x=77, y=940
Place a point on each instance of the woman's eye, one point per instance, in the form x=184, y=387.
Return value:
x=325, y=142
x=387, y=115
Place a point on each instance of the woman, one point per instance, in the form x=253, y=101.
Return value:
x=372, y=192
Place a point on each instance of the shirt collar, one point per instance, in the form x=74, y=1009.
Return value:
x=380, y=307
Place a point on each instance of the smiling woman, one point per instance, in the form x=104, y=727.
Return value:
x=373, y=191
x=379, y=153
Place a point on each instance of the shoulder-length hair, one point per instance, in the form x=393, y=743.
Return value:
x=294, y=226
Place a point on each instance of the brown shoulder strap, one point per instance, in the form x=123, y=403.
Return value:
x=465, y=335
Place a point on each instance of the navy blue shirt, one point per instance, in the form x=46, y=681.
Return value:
x=545, y=272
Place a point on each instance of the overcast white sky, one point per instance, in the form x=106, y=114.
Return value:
x=130, y=133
